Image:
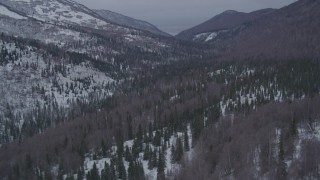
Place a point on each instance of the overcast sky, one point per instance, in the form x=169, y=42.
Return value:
x=174, y=16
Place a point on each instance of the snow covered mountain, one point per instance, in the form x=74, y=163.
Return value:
x=76, y=28
x=130, y=22
x=47, y=19
x=58, y=53
x=220, y=23
x=56, y=11
x=70, y=13
x=64, y=13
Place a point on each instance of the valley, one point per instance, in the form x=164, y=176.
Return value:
x=93, y=94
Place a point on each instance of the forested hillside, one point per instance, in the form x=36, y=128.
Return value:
x=148, y=121
x=84, y=98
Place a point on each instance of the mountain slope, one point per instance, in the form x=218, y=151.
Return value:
x=76, y=28
x=222, y=22
x=130, y=22
x=291, y=32
x=69, y=14
x=4, y=11
x=37, y=77
x=58, y=11
x=67, y=43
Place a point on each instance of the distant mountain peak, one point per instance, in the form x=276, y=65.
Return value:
x=287, y=33
x=226, y=20
x=229, y=12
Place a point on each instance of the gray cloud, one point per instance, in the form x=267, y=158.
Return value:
x=174, y=16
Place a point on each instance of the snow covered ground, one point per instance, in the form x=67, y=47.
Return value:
x=5, y=11
x=32, y=80
x=151, y=174
x=56, y=11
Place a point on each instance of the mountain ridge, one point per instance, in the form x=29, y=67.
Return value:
x=128, y=21
x=289, y=32
x=223, y=21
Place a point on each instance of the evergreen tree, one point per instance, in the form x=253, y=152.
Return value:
x=140, y=133
x=60, y=173
x=93, y=174
x=122, y=174
x=150, y=133
x=80, y=174
x=139, y=140
x=127, y=154
x=153, y=159
x=146, y=154
x=173, y=158
x=166, y=135
x=139, y=171
x=130, y=131
x=161, y=165
x=197, y=127
x=135, y=171
x=103, y=148
x=294, y=128
x=216, y=111
x=106, y=173
x=179, y=150
x=282, y=166
x=157, y=139
x=186, y=141
x=120, y=148
x=131, y=171
x=136, y=149
x=164, y=146
x=113, y=173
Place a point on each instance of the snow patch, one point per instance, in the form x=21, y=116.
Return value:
x=5, y=11
x=211, y=36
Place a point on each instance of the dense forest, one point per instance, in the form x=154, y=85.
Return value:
x=219, y=110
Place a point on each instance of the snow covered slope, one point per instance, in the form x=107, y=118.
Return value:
x=65, y=13
x=209, y=36
x=76, y=28
x=58, y=11
x=4, y=11
x=36, y=77
x=92, y=51
x=170, y=170
x=130, y=22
